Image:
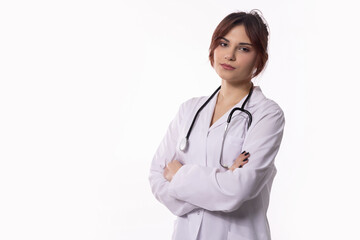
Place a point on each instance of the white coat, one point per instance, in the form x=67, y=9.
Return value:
x=213, y=203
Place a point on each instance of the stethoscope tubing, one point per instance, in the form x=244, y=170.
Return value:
x=184, y=142
x=198, y=111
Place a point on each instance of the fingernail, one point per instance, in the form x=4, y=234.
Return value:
x=240, y=166
x=246, y=159
x=242, y=152
x=246, y=154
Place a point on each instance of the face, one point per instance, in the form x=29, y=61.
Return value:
x=235, y=50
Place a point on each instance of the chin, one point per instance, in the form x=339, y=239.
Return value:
x=225, y=75
x=236, y=81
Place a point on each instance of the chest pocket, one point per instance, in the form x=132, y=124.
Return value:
x=232, y=149
x=234, y=139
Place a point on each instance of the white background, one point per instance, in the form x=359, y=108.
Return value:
x=88, y=88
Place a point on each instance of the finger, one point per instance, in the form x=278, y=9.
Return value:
x=244, y=153
x=245, y=161
x=237, y=163
x=241, y=157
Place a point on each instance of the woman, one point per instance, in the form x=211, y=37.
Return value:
x=211, y=200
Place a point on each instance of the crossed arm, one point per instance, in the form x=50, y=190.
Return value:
x=172, y=167
x=170, y=180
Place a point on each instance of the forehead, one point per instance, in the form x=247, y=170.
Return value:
x=237, y=34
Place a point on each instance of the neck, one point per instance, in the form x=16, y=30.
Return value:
x=231, y=94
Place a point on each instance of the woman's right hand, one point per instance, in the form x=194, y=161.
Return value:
x=240, y=161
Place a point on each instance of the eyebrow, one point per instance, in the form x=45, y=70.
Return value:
x=242, y=43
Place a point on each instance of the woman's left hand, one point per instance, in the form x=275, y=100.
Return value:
x=171, y=169
x=240, y=161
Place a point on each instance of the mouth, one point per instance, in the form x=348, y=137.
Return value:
x=227, y=67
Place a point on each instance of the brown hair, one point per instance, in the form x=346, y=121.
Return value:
x=255, y=28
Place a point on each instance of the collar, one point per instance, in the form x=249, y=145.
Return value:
x=256, y=97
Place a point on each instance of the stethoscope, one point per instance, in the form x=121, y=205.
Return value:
x=185, y=141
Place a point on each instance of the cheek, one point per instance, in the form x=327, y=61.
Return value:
x=217, y=54
x=249, y=63
x=215, y=58
x=216, y=61
x=253, y=61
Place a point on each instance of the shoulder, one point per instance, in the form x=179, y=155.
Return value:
x=266, y=111
x=273, y=114
x=264, y=105
x=270, y=106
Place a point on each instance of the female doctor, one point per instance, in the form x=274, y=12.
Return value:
x=216, y=174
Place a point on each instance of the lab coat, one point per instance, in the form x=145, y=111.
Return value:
x=210, y=202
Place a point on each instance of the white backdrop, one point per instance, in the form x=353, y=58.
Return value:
x=88, y=88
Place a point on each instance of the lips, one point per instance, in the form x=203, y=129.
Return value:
x=227, y=67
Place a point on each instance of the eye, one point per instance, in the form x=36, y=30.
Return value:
x=244, y=49
x=223, y=44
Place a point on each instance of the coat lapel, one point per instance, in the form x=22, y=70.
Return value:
x=209, y=109
x=222, y=120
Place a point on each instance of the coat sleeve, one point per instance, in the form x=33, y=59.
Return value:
x=230, y=189
x=164, y=154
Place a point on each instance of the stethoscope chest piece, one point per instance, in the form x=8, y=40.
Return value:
x=183, y=144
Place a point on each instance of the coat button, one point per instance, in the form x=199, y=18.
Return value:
x=198, y=212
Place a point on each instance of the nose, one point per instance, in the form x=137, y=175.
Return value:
x=230, y=56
